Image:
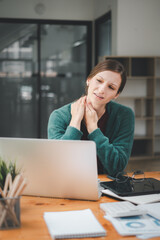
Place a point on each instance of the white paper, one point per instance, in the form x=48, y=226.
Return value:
x=141, y=199
x=135, y=225
x=148, y=236
x=153, y=209
x=71, y=224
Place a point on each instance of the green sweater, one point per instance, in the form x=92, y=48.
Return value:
x=113, y=148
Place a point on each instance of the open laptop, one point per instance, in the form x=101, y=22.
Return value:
x=55, y=168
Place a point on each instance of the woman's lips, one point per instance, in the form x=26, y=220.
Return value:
x=98, y=96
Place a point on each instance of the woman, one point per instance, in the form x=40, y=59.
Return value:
x=96, y=117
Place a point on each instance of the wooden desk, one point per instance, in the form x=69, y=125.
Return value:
x=33, y=226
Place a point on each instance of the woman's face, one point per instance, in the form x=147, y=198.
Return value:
x=103, y=87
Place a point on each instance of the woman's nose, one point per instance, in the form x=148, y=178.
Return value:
x=101, y=89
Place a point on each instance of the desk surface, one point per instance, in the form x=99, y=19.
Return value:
x=33, y=226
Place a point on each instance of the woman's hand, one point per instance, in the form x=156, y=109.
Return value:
x=77, y=112
x=91, y=118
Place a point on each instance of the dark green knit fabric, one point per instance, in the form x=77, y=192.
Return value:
x=113, y=148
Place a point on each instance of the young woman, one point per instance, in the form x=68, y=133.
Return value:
x=96, y=117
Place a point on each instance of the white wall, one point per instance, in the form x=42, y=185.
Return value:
x=138, y=27
x=54, y=9
x=102, y=6
x=135, y=26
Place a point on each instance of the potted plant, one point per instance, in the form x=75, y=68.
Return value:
x=5, y=169
x=12, y=185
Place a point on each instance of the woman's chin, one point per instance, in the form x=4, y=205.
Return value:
x=95, y=102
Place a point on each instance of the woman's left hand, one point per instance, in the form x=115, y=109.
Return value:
x=91, y=118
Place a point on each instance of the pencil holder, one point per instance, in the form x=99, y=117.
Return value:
x=9, y=213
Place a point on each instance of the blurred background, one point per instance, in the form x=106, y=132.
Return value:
x=48, y=47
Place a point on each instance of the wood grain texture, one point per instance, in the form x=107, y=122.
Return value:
x=33, y=226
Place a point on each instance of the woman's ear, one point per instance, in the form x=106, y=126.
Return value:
x=87, y=82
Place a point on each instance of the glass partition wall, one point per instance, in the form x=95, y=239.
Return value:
x=42, y=67
x=63, y=66
x=18, y=80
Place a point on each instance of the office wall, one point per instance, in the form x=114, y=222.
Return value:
x=138, y=27
x=135, y=25
x=53, y=9
x=103, y=6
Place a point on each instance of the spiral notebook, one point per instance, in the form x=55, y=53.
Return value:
x=73, y=224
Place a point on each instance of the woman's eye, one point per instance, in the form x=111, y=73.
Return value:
x=111, y=87
x=98, y=80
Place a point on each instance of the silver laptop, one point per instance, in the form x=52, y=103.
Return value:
x=55, y=168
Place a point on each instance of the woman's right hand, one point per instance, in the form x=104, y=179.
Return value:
x=77, y=112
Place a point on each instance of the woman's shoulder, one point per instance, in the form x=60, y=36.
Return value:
x=64, y=108
x=114, y=107
x=62, y=111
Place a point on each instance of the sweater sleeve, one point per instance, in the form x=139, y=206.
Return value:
x=114, y=153
x=58, y=127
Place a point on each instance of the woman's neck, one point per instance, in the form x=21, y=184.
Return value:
x=100, y=112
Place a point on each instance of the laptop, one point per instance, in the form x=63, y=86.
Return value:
x=55, y=168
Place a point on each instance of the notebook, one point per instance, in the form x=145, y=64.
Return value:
x=55, y=168
x=73, y=224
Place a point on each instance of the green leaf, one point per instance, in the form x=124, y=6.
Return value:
x=7, y=168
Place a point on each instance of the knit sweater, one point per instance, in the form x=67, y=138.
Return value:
x=113, y=147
